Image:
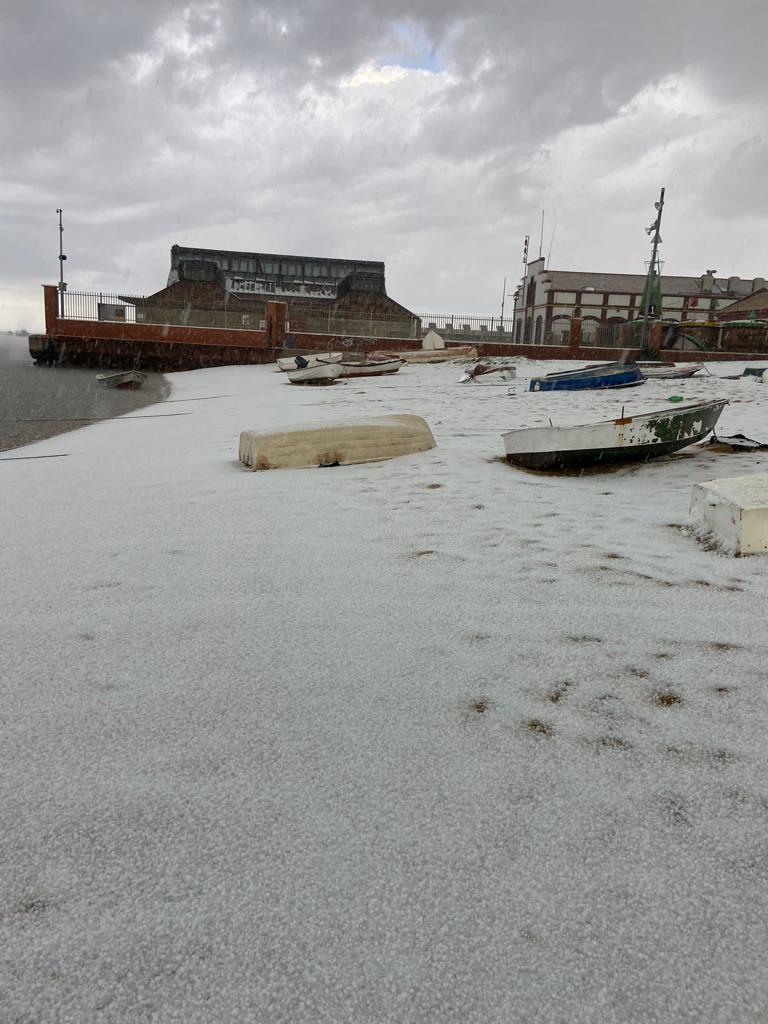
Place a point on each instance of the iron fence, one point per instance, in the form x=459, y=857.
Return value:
x=235, y=315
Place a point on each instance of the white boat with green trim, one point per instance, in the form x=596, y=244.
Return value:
x=625, y=439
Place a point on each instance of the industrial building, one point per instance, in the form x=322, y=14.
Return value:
x=206, y=286
x=549, y=299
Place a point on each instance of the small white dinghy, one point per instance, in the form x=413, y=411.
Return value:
x=129, y=380
x=669, y=371
x=308, y=359
x=321, y=373
x=373, y=367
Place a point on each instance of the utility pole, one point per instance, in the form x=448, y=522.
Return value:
x=503, y=297
x=62, y=257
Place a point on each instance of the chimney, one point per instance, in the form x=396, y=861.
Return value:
x=708, y=281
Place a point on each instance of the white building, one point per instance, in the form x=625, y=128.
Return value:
x=549, y=299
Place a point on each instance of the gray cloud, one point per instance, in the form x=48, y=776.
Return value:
x=280, y=127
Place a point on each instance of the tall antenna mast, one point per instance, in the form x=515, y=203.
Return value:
x=62, y=257
x=541, y=236
x=519, y=295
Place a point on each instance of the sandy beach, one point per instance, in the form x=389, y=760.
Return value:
x=429, y=740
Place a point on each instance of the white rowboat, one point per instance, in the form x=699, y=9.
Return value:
x=369, y=367
x=322, y=373
x=312, y=359
x=669, y=371
x=130, y=379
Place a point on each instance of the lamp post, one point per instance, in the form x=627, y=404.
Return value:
x=62, y=257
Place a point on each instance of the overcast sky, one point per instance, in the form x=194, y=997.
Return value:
x=427, y=133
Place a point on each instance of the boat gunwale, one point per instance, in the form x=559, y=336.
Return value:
x=622, y=420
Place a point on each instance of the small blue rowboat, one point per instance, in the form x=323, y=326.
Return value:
x=609, y=375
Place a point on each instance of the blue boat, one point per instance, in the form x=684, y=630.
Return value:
x=609, y=375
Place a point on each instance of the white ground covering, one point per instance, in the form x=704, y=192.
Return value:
x=245, y=774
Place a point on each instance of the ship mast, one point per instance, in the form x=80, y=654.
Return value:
x=650, y=303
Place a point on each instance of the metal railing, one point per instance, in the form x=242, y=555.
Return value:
x=237, y=315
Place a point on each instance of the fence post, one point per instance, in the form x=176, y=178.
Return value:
x=574, y=337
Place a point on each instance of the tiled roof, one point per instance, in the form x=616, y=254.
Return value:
x=627, y=284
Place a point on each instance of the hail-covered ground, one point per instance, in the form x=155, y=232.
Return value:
x=427, y=740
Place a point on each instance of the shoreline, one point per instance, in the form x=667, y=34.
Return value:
x=39, y=402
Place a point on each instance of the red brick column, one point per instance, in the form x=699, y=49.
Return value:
x=574, y=339
x=51, y=305
x=275, y=316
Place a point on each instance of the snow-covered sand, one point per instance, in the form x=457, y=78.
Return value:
x=428, y=740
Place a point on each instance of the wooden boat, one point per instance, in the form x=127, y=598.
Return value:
x=669, y=371
x=626, y=439
x=609, y=375
x=129, y=380
x=373, y=367
x=312, y=359
x=321, y=373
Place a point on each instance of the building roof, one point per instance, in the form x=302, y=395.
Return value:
x=181, y=252
x=755, y=300
x=627, y=284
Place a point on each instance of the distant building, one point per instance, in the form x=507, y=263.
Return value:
x=549, y=299
x=225, y=287
x=754, y=306
x=275, y=276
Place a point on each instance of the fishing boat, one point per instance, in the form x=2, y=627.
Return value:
x=129, y=380
x=373, y=367
x=669, y=371
x=321, y=373
x=608, y=375
x=308, y=359
x=625, y=439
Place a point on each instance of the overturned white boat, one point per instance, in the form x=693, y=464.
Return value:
x=625, y=439
x=336, y=444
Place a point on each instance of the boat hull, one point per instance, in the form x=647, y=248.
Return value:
x=130, y=380
x=662, y=371
x=627, y=439
x=288, y=365
x=370, y=369
x=611, y=375
x=322, y=373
